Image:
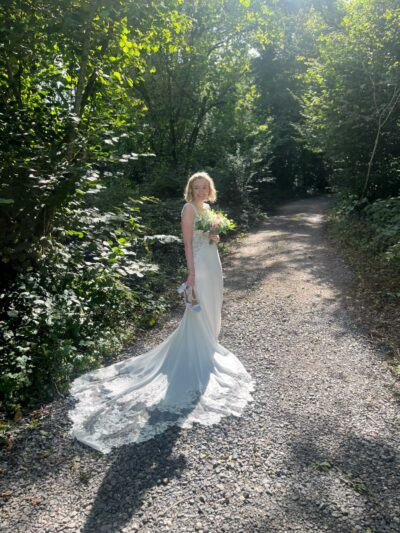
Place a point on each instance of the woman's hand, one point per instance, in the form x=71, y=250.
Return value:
x=190, y=279
x=213, y=237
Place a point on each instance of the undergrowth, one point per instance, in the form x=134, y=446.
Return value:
x=368, y=235
x=98, y=279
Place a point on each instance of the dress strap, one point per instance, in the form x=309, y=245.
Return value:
x=195, y=210
x=193, y=207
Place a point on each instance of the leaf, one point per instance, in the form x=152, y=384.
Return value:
x=6, y=201
x=117, y=75
x=324, y=465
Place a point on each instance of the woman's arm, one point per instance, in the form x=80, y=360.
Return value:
x=188, y=215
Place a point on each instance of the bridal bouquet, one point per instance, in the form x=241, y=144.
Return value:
x=214, y=222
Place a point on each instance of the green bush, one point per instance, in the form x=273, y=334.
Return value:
x=384, y=218
x=95, y=281
x=378, y=224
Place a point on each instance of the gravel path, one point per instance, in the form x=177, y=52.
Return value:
x=317, y=450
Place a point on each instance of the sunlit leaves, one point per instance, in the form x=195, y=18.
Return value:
x=117, y=75
x=351, y=89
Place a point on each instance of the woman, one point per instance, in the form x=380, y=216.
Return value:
x=188, y=378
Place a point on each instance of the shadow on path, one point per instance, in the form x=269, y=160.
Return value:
x=291, y=239
x=366, y=468
x=134, y=470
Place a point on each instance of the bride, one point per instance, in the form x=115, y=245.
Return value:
x=188, y=378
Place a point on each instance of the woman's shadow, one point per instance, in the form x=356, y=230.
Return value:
x=136, y=468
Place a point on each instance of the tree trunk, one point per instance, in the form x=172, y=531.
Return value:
x=371, y=159
x=67, y=185
x=383, y=116
x=171, y=119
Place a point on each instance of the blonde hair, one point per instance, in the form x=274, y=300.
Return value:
x=212, y=195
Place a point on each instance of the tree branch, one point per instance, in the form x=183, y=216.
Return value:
x=382, y=119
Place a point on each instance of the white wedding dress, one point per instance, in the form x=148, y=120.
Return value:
x=188, y=378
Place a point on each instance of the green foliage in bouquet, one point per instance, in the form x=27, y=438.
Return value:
x=214, y=221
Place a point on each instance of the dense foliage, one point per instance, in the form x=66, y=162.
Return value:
x=351, y=102
x=107, y=107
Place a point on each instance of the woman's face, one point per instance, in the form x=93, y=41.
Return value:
x=201, y=190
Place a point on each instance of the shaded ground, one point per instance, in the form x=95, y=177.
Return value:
x=317, y=450
x=376, y=293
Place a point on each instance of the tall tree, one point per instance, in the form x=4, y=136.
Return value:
x=352, y=102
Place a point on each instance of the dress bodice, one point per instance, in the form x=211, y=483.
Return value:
x=200, y=238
